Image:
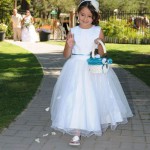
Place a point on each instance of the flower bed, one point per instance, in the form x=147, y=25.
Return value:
x=3, y=27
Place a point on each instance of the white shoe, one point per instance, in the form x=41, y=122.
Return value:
x=75, y=141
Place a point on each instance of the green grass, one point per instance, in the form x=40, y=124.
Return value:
x=56, y=42
x=134, y=58
x=20, y=76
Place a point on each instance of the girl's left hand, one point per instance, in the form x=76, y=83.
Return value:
x=96, y=40
x=70, y=40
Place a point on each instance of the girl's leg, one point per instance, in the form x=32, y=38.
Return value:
x=77, y=133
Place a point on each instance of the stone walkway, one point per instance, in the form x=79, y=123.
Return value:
x=34, y=122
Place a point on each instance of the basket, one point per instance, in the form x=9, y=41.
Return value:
x=99, y=64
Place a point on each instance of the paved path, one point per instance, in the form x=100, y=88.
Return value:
x=34, y=122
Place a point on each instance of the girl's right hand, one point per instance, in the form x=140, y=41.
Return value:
x=70, y=40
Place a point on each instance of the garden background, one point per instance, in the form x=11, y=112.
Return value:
x=122, y=21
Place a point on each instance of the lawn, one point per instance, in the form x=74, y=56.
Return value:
x=20, y=76
x=132, y=57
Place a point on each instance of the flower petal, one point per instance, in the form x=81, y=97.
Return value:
x=45, y=134
x=37, y=140
x=47, y=109
x=53, y=133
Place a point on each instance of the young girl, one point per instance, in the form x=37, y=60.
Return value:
x=83, y=103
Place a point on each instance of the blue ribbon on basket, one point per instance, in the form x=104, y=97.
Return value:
x=99, y=61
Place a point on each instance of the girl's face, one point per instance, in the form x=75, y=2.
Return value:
x=85, y=18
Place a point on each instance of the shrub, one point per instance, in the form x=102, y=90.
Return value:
x=3, y=27
x=117, y=28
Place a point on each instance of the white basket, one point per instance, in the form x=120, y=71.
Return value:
x=98, y=68
x=101, y=68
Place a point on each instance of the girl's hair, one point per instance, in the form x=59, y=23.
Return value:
x=95, y=14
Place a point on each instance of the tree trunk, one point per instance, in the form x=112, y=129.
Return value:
x=15, y=4
x=45, y=8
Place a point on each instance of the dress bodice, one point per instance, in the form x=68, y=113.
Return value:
x=84, y=39
x=27, y=19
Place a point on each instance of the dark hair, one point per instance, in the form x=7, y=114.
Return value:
x=95, y=14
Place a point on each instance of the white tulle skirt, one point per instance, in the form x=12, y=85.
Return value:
x=29, y=34
x=85, y=102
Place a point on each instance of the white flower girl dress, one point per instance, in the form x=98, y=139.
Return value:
x=83, y=101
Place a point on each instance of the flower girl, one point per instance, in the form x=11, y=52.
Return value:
x=83, y=103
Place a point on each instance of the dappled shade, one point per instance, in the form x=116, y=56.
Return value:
x=20, y=76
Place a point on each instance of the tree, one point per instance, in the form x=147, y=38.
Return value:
x=25, y=5
x=126, y=5
x=6, y=7
x=63, y=6
x=44, y=7
x=144, y=5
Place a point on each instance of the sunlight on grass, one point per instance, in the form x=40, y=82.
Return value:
x=22, y=60
x=8, y=74
x=134, y=58
x=142, y=65
x=62, y=43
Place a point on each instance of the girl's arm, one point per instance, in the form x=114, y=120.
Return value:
x=32, y=20
x=22, y=21
x=102, y=38
x=69, y=45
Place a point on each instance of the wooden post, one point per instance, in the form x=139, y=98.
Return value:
x=74, y=17
x=71, y=19
x=15, y=4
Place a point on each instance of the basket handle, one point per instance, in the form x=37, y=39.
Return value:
x=103, y=46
